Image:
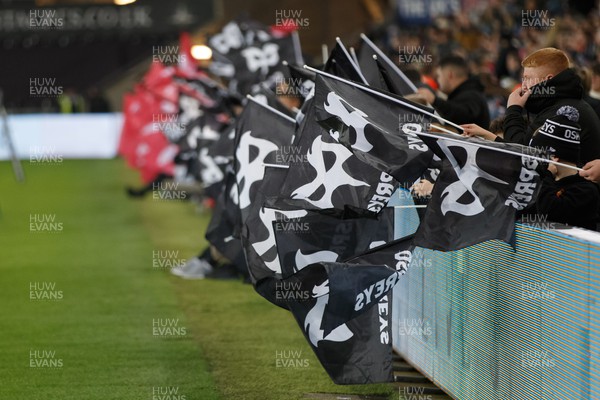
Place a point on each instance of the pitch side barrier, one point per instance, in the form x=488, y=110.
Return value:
x=488, y=322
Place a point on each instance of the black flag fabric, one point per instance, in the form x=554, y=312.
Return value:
x=222, y=229
x=302, y=80
x=379, y=131
x=363, y=287
x=478, y=192
x=357, y=351
x=395, y=80
x=316, y=237
x=264, y=95
x=370, y=69
x=248, y=54
x=325, y=176
x=395, y=83
x=339, y=64
x=260, y=133
x=396, y=254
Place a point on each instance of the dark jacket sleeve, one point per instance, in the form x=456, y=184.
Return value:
x=463, y=110
x=515, y=127
x=566, y=204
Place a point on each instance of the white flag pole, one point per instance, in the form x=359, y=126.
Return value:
x=353, y=54
x=283, y=166
x=349, y=57
x=268, y=107
x=388, y=61
x=383, y=95
x=324, y=53
x=297, y=48
x=483, y=145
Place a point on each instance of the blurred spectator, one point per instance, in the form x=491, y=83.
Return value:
x=592, y=95
x=96, y=102
x=71, y=102
x=465, y=103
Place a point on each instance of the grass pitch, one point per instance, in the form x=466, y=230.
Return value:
x=89, y=313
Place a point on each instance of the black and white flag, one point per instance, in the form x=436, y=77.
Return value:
x=248, y=54
x=356, y=351
x=261, y=134
x=477, y=193
x=316, y=237
x=378, y=130
x=325, y=176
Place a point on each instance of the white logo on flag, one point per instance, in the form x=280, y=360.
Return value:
x=302, y=260
x=355, y=119
x=267, y=217
x=263, y=59
x=467, y=175
x=251, y=171
x=230, y=38
x=331, y=178
x=314, y=318
x=211, y=173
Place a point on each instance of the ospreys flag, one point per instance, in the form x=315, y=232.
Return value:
x=260, y=133
x=352, y=351
x=478, y=192
x=378, y=130
x=316, y=237
x=325, y=176
x=214, y=160
x=249, y=54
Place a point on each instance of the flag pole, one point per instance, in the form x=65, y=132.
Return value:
x=388, y=61
x=297, y=48
x=514, y=153
x=339, y=41
x=437, y=117
x=353, y=54
x=385, y=96
x=324, y=53
x=276, y=165
x=16, y=163
x=268, y=107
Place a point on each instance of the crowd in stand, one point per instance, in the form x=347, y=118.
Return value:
x=522, y=73
x=504, y=75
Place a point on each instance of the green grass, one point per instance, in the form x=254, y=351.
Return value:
x=102, y=329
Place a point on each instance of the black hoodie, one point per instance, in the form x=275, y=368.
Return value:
x=465, y=105
x=547, y=97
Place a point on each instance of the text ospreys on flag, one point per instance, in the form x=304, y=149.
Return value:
x=378, y=130
x=357, y=351
x=478, y=192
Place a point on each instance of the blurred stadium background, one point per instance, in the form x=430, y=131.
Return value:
x=102, y=261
